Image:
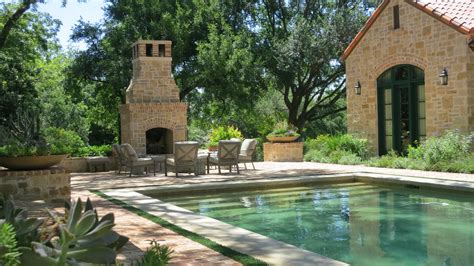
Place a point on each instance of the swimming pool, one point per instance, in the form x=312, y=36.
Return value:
x=358, y=223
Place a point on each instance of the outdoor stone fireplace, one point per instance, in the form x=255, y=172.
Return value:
x=152, y=118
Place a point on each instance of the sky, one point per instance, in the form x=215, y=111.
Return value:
x=90, y=11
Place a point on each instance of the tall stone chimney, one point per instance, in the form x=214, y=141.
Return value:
x=152, y=118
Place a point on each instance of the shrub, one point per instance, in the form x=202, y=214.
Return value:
x=49, y=141
x=62, y=141
x=448, y=147
x=316, y=156
x=102, y=150
x=336, y=147
x=223, y=133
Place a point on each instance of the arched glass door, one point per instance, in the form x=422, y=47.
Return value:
x=401, y=108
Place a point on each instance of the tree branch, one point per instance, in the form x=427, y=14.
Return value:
x=24, y=6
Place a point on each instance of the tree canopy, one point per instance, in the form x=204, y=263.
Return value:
x=246, y=63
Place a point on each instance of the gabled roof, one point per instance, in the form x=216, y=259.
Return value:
x=458, y=14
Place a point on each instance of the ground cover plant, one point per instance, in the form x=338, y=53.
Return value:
x=450, y=152
x=342, y=149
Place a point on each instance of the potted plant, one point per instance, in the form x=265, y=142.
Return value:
x=222, y=133
x=29, y=148
x=283, y=133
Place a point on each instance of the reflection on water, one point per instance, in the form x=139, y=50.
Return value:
x=358, y=223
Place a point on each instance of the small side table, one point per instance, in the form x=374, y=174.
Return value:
x=158, y=159
x=96, y=162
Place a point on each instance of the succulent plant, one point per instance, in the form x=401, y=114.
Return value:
x=26, y=229
x=83, y=237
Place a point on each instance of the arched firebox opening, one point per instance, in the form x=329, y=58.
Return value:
x=159, y=141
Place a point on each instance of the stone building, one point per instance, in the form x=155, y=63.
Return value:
x=152, y=118
x=410, y=72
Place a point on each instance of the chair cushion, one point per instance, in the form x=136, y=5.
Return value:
x=170, y=161
x=248, y=147
x=130, y=151
x=143, y=162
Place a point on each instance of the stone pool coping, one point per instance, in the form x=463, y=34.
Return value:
x=256, y=245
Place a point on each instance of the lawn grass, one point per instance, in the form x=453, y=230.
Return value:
x=228, y=252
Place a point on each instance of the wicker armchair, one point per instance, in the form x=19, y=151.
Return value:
x=184, y=159
x=132, y=160
x=227, y=155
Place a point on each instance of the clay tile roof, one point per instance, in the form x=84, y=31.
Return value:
x=458, y=14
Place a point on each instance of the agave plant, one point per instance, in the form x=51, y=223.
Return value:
x=83, y=237
x=26, y=229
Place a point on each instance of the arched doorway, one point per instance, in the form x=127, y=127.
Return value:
x=401, y=108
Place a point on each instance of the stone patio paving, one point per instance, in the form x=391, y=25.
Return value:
x=186, y=252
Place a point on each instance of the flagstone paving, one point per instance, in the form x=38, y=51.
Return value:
x=186, y=252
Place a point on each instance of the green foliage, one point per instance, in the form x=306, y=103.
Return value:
x=25, y=48
x=223, y=133
x=9, y=254
x=86, y=151
x=449, y=153
x=393, y=160
x=449, y=146
x=62, y=141
x=57, y=106
x=348, y=143
x=282, y=129
x=156, y=255
x=463, y=164
x=49, y=141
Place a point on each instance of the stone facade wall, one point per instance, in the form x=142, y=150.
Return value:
x=283, y=152
x=51, y=185
x=470, y=86
x=422, y=41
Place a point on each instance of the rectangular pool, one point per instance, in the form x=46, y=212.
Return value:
x=358, y=223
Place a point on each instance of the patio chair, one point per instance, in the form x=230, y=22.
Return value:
x=132, y=161
x=227, y=155
x=185, y=157
x=247, y=152
x=119, y=157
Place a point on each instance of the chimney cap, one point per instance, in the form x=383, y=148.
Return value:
x=151, y=42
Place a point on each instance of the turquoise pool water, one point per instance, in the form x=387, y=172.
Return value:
x=358, y=223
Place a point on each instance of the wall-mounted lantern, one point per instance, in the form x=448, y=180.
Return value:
x=443, y=77
x=357, y=88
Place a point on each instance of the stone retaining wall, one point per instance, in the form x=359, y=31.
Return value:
x=283, y=152
x=50, y=185
x=79, y=165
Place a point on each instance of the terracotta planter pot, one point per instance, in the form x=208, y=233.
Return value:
x=31, y=162
x=282, y=139
x=212, y=148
